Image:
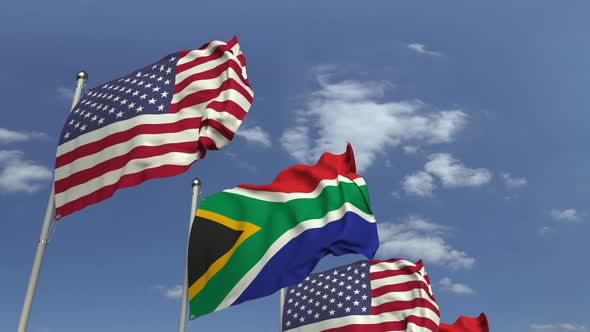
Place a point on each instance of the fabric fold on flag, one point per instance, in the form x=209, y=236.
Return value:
x=251, y=241
x=467, y=324
x=369, y=295
x=152, y=123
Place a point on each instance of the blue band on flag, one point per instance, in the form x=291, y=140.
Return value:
x=298, y=258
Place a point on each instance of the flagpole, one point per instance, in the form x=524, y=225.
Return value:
x=26, y=311
x=184, y=304
x=281, y=303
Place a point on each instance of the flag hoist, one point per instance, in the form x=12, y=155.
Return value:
x=81, y=77
x=152, y=123
x=184, y=304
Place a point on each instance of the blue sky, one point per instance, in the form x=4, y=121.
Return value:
x=469, y=122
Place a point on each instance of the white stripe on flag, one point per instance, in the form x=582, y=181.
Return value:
x=394, y=316
x=389, y=266
x=123, y=148
x=271, y=196
x=225, y=95
x=98, y=134
x=134, y=166
x=219, y=140
x=208, y=84
x=398, y=280
x=413, y=294
x=192, y=55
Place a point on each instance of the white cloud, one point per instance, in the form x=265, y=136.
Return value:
x=454, y=174
x=20, y=175
x=565, y=215
x=572, y=327
x=9, y=136
x=420, y=239
x=448, y=285
x=420, y=224
x=420, y=184
x=65, y=93
x=558, y=327
x=255, y=135
x=544, y=230
x=449, y=170
x=351, y=111
x=240, y=162
x=410, y=149
x=297, y=143
x=512, y=182
x=174, y=292
x=542, y=327
x=420, y=48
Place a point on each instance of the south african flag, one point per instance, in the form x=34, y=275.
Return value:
x=250, y=241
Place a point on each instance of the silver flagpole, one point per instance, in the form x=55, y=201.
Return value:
x=182, y=324
x=26, y=311
x=281, y=304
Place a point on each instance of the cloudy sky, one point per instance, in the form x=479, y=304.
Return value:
x=469, y=123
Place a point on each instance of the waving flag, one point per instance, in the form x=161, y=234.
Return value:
x=152, y=123
x=366, y=296
x=251, y=241
x=467, y=324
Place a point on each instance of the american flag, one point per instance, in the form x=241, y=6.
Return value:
x=152, y=123
x=369, y=295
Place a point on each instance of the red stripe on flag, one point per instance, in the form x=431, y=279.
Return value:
x=404, y=305
x=233, y=41
x=218, y=126
x=242, y=60
x=392, y=260
x=210, y=74
x=119, y=162
x=125, y=181
x=392, y=273
x=388, y=326
x=207, y=95
x=401, y=287
x=228, y=106
x=124, y=136
x=216, y=54
x=208, y=143
x=204, y=46
x=304, y=178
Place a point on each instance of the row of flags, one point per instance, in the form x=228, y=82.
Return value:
x=252, y=240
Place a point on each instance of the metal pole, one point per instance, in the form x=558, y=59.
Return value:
x=182, y=324
x=26, y=311
x=281, y=304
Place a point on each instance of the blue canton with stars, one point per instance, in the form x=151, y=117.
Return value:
x=335, y=293
x=148, y=90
